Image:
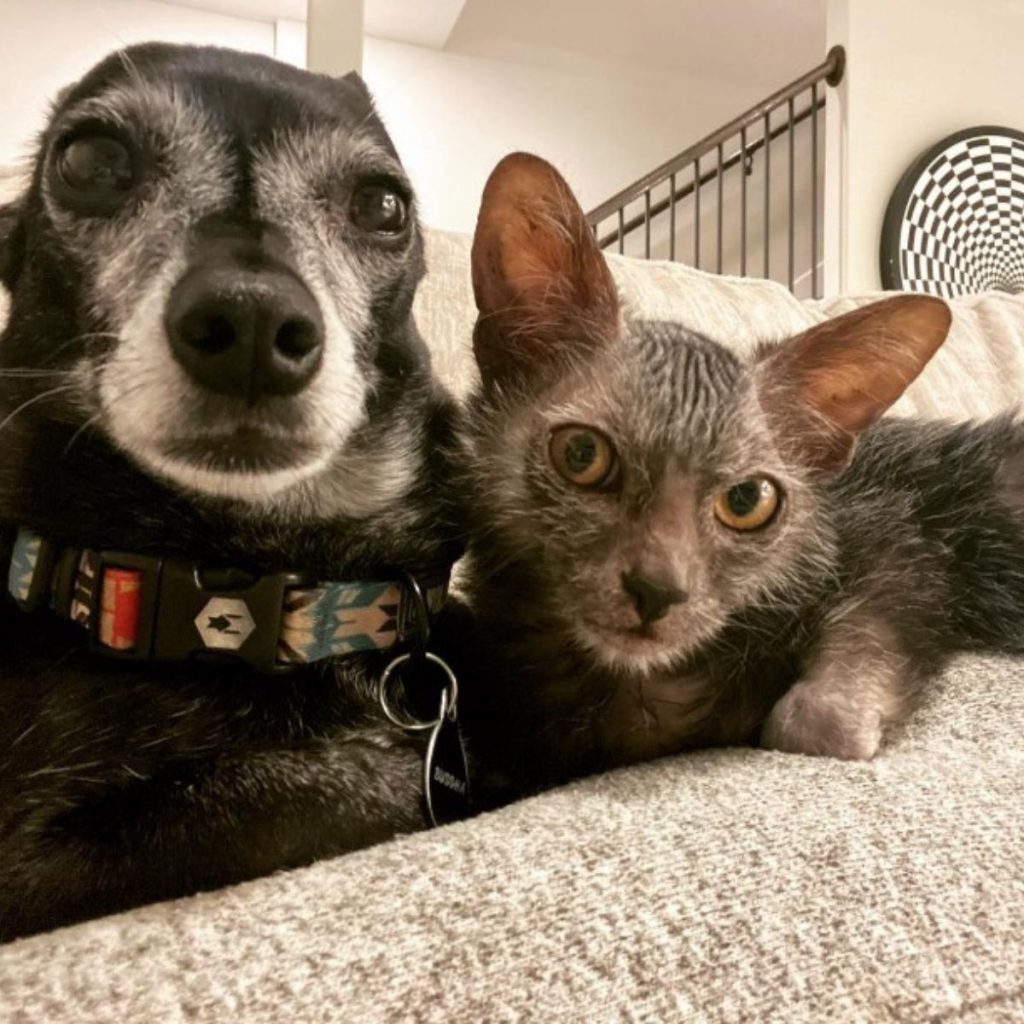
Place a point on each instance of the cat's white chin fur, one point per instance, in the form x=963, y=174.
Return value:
x=625, y=653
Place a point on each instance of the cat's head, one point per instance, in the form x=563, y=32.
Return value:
x=646, y=483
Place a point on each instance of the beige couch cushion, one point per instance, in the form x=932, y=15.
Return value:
x=728, y=887
x=979, y=371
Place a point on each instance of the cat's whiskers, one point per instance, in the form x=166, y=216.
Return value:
x=650, y=718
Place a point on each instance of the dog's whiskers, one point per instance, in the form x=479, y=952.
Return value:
x=34, y=400
x=97, y=417
x=30, y=373
x=91, y=422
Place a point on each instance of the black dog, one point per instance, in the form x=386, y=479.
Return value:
x=212, y=401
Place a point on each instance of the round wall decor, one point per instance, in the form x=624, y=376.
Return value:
x=955, y=222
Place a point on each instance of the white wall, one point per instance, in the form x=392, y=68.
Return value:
x=46, y=44
x=290, y=41
x=453, y=117
x=917, y=70
x=334, y=41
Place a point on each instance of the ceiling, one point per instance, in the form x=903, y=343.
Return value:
x=421, y=22
x=762, y=41
x=769, y=41
x=261, y=10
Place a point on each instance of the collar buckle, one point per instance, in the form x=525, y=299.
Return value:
x=188, y=613
x=148, y=608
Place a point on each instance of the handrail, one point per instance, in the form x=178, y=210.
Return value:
x=831, y=71
x=705, y=179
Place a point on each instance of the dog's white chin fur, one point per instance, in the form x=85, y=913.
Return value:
x=142, y=386
x=254, y=487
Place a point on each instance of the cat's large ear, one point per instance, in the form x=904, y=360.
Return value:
x=825, y=387
x=542, y=287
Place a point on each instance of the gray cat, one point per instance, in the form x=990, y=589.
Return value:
x=675, y=547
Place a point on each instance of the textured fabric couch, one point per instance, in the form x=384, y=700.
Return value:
x=727, y=886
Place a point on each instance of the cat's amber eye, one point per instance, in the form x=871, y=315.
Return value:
x=748, y=505
x=585, y=457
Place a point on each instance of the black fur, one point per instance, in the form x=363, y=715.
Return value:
x=122, y=784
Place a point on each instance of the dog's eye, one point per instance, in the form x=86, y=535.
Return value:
x=379, y=209
x=94, y=173
x=748, y=505
x=96, y=166
x=584, y=457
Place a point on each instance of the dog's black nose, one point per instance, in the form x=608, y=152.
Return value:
x=651, y=598
x=243, y=332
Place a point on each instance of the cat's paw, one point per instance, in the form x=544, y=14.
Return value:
x=807, y=720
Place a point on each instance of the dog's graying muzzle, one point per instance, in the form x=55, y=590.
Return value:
x=241, y=321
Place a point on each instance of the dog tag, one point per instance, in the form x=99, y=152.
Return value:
x=445, y=772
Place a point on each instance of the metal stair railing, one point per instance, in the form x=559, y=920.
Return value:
x=685, y=185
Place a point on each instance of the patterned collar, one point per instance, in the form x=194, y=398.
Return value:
x=144, y=608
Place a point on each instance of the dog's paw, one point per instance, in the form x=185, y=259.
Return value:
x=807, y=720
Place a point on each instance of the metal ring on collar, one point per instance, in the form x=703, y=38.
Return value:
x=451, y=688
x=420, y=611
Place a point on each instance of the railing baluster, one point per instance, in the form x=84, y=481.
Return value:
x=767, y=192
x=714, y=145
x=814, y=191
x=672, y=217
x=721, y=177
x=792, y=193
x=659, y=207
x=743, y=202
x=696, y=213
x=647, y=224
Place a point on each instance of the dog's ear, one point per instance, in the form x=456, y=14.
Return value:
x=825, y=387
x=353, y=81
x=12, y=243
x=542, y=287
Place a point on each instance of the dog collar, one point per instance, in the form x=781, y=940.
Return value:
x=144, y=608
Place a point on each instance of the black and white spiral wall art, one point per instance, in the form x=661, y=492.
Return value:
x=955, y=222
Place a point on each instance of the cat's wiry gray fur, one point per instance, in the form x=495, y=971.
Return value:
x=811, y=634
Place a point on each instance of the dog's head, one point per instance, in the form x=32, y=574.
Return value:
x=214, y=263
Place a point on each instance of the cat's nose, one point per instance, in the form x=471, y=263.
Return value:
x=652, y=596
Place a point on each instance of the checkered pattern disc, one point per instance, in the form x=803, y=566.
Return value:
x=955, y=222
